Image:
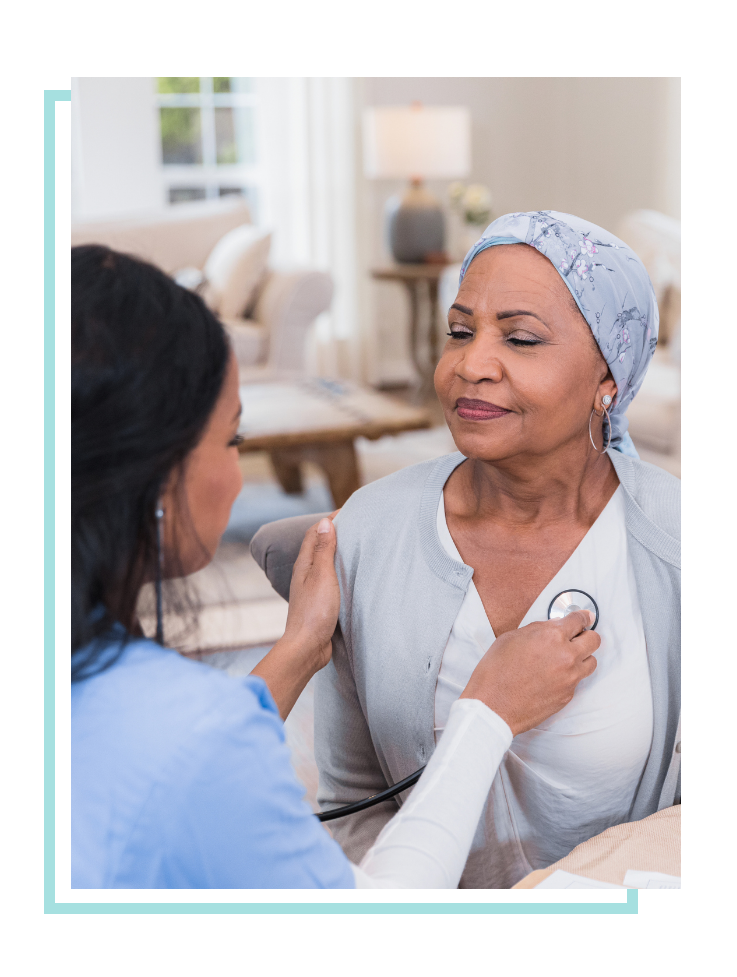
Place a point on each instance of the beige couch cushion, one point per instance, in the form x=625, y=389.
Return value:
x=656, y=238
x=651, y=845
x=176, y=237
x=249, y=339
x=234, y=269
x=655, y=413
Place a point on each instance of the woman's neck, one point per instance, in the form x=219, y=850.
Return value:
x=571, y=484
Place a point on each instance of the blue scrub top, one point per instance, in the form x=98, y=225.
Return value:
x=181, y=779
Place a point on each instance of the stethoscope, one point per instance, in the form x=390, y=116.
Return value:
x=564, y=603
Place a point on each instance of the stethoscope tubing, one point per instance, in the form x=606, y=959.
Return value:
x=384, y=795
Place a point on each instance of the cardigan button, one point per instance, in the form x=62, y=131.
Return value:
x=678, y=747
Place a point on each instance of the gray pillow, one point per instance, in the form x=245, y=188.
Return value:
x=276, y=545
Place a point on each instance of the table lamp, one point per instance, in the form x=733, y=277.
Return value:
x=416, y=142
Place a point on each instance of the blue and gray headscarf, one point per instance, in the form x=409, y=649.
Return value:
x=610, y=286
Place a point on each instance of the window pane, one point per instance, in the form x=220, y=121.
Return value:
x=227, y=151
x=247, y=85
x=178, y=195
x=168, y=86
x=249, y=195
x=180, y=135
x=225, y=85
x=235, y=136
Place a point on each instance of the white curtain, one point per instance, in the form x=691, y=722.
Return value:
x=308, y=138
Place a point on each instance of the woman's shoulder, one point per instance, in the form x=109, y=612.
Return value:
x=410, y=480
x=160, y=695
x=656, y=492
x=393, y=499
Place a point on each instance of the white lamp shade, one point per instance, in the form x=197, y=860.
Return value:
x=417, y=141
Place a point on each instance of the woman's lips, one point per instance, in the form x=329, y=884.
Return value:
x=478, y=410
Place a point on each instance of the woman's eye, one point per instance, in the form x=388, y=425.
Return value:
x=238, y=439
x=460, y=333
x=519, y=341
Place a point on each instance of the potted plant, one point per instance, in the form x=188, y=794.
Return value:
x=472, y=205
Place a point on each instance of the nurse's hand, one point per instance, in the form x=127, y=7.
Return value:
x=314, y=603
x=529, y=674
x=314, y=594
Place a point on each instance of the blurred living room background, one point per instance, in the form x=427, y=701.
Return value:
x=292, y=206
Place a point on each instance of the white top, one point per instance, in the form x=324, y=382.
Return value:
x=577, y=773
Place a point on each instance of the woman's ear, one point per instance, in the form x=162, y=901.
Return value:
x=607, y=387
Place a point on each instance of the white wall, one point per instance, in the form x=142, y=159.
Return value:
x=670, y=149
x=116, y=149
x=595, y=147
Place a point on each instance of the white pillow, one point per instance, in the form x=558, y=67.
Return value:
x=234, y=269
x=249, y=339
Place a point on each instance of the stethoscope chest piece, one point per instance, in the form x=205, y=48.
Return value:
x=568, y=601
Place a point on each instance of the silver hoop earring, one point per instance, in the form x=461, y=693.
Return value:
x=605, y=401
x=159, y=573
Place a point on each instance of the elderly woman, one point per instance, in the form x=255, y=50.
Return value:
x=550, y=336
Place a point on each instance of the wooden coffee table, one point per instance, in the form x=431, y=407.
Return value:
x=317, y=420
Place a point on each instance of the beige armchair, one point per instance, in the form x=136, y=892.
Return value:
x=274, y=337
x=655, y=413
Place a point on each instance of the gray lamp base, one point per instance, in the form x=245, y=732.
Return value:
x=416, y=226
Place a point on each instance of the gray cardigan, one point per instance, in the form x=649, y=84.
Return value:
x=401, y=593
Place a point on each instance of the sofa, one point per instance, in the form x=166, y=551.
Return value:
x=271, y=334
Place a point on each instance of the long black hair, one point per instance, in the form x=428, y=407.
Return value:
x=148, y=364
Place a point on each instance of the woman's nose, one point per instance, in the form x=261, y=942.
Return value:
x=479, y=362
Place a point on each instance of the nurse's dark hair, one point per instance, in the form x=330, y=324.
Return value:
x=148, y=363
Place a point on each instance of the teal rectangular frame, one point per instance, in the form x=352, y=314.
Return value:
x=51, y=97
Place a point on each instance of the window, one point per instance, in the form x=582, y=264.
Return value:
x=208, y=138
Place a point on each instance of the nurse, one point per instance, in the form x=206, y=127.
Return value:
x=181, y=777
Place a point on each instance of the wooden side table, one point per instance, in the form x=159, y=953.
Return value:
x=413, y=277
x=314, y=419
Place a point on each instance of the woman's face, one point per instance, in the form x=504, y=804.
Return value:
x=520, y=372
x=203, y=494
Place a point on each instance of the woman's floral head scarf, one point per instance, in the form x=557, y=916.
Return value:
x=610, y=286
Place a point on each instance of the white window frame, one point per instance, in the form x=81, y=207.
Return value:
x=210, y=175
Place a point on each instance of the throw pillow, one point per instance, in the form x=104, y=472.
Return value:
x=234, y=270
x=249, y=339
x=190, y=278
